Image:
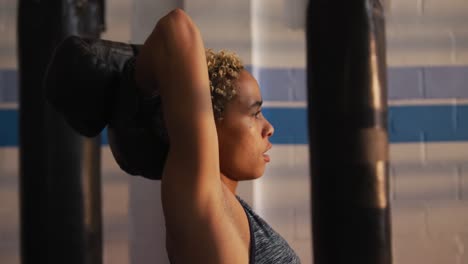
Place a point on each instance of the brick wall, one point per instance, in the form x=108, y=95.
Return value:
x=427, y=32
x=430, y=205
x=426, y=53
x=427, y=48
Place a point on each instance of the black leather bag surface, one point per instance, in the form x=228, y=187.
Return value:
x=91, y=82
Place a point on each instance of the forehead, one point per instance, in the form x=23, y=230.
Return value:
x=248, y=90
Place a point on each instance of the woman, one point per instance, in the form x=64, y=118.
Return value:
x=212, y=115
x=205, y=221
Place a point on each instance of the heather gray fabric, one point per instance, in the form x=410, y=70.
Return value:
x=266, y=246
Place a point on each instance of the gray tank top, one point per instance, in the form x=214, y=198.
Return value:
x=266, y=246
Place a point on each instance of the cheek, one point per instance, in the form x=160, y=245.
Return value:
x=241, y=154
x=240, y=143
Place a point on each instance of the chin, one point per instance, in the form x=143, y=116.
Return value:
x=251, y=176
x=246, y=173
x=258, y=177
x=259, y=173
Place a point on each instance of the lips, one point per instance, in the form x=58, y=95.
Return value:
x=266, y=157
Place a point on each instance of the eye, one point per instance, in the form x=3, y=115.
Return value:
x=257, y=114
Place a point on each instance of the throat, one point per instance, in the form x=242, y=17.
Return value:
x=229, y=183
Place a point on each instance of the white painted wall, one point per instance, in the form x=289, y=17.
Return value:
x=429, y=180
x=8, y=34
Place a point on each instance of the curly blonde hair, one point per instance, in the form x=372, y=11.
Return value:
x=224, y=68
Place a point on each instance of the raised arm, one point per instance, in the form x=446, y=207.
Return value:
x=173, y=59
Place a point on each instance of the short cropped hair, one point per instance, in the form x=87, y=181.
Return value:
x=224, y=68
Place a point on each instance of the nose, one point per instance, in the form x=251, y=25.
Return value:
x=269, y=130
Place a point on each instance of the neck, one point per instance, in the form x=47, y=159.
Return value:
x=229, y=183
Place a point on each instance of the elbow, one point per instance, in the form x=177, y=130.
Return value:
x=177, y=16
x=176, y=22
x=176, y=28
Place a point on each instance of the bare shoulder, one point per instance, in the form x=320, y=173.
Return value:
x=208, y=234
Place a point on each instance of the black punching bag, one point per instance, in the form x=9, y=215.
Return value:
x=347, y=115
x=59, y=170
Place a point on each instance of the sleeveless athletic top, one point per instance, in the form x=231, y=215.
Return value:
x=266, y=246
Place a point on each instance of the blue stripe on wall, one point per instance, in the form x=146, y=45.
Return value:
x=289, y=84
x=9, y=128
x=407, y=124
x=8, y=85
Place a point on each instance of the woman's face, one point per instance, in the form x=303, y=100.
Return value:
x=244, y=133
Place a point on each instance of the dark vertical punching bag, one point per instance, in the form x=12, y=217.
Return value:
x=347, y=115
x=59, y=170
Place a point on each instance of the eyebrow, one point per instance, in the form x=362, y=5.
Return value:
x=256, y=104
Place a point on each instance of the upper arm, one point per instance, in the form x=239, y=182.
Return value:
x=192, y=193
x=178, y=61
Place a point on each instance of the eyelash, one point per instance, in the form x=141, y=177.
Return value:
x=257, y=113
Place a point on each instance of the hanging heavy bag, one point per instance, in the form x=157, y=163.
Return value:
x=91, y=82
